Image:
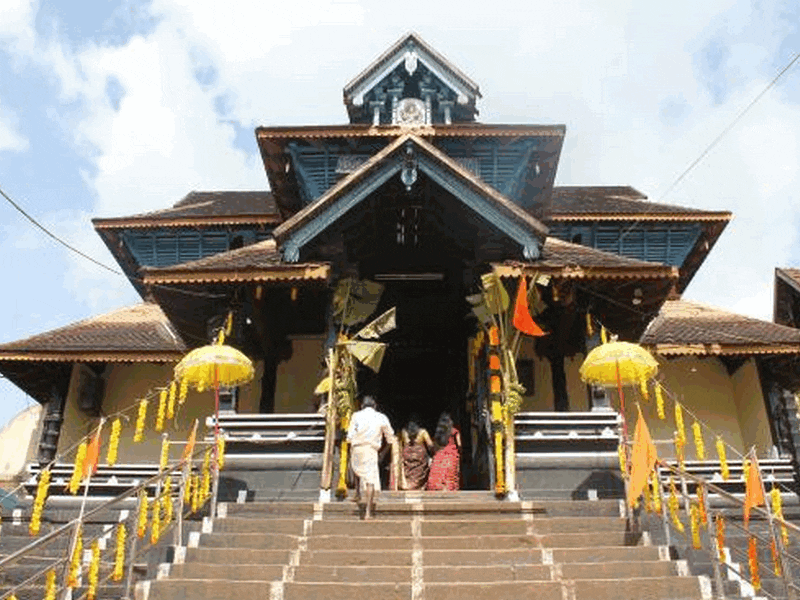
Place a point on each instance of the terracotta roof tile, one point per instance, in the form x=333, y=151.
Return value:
x=575, y=201
x=209, y=205
x=684, y=327
x=140, y=329
x=790, y=274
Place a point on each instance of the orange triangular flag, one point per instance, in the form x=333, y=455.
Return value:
x=643, y=459
x=522, y=316
x=92, y=454
x=754, y=490
x=189, y=449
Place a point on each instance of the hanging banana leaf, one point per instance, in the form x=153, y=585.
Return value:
x=355, y=300
x=324, y=386
x=494, y=291
x=383, y=324
x=370, y=354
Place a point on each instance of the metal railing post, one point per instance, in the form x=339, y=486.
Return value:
x=134, y=537
x=716, y=559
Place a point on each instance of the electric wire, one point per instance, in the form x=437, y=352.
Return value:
x=730, y=126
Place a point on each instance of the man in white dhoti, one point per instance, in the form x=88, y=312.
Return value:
x=368, y=428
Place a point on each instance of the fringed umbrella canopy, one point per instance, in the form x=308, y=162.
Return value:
x=209, y=367
x=618, y=363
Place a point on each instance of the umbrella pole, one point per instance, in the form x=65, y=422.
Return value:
x=215, y=481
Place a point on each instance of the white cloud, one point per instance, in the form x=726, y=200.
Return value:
x=10, y=137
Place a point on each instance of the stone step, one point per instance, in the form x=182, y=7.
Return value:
x=242, y=555
x=36, y=592
x=258, y=525
x=651, y=588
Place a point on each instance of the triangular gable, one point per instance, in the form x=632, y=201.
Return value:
x=446, y=81
x=307, y=224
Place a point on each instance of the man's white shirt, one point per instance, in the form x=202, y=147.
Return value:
x=368, y=426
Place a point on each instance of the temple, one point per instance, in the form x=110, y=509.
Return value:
x=414, y=205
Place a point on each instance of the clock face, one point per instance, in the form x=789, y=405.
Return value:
x=410, y=111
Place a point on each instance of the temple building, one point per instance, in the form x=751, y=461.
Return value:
x=417, y=202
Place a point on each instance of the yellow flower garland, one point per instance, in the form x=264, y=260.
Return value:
x=94, y=571
x=777, y=510
x=164, y=458
x=113, y=442
x=162, y=408
x=679, y=427
x=167, y=500
x=720, y=523
x=660, y=402
x=752, y=561
x=140, y=420
x=694, y=523
x=623, y=460
x=206, y=474
x=655, y=485
x=724, y=471
x=220, y=452
x=700, y=447
x=38, y=503
x=141, y=525
x=77, y=472
x=173, y=391
x=674, y=506
x=643, y=388
x=50, y=585
x=74, y=572
x=155, y=525
x=184, y=391
x=195, y=492
x=119, y=554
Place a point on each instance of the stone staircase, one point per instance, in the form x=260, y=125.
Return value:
x=423, y=547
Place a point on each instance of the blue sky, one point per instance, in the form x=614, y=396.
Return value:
x=113, y=108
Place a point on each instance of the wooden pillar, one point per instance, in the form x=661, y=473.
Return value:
x=559, y=376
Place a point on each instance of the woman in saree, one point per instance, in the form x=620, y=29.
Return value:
x=445, y=472
x=417, y=446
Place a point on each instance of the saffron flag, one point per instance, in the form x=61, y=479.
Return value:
x=754, y=490
x=189, y=449
x=92, y=454
x=643, y=459
x=522, y=315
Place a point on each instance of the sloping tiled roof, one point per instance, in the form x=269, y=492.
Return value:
x=684, y=327
x=256, y=262
x=789, y=275
x=618, y=202
x=576, y=261
x=133, y=334
x=196, y=208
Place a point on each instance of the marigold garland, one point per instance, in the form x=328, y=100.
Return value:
x=724, y=471
x=674, y=506
x=679, y=454
x=701, y=504
x=655, y=484
x=776, y=561
x=184, y=391
x=720, y=523
x=694, y=524
x=162, y=409
x=113, y=442
x=221, y=453
x=777, y=510
x=648, y=499
x=164, y=457
x=119, y=554
x=341, y=486
x=138, y=434
x=77, y=473
x=643, y=388
x=205, y=490
x=74, y=572
x=195, y=492
x=50, y=585
x=660, y=402
x=700, y=447
x=141, y=525
x=603, y=335
x=187, y=490
x=745, y=469
x=589, y=328
x=94, y=571
x=173, y=392
x=500, y=479
x=623, y=460
x=679, y=427
x=167, y=500
x=38, y=503
x=155, y=523
x=752, y=556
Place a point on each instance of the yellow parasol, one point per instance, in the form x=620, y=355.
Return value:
x=213, y=366
x=618, y=363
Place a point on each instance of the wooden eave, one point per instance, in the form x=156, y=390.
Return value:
x=315, y=209
x=723, y=349
x=357, y=130
x=95, y=356
x=167, y=222
x=278, y=274
x=677, y=217
x=664, y=272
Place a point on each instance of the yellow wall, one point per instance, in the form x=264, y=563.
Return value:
x=19, y=440
x=298, y=376
x=752, y=410
x=125, y=385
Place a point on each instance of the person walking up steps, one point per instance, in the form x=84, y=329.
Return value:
x=368, y=428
